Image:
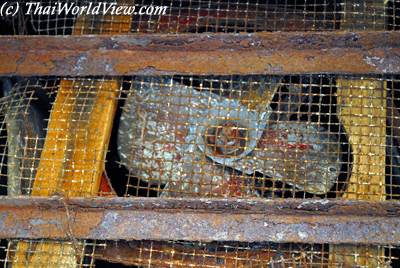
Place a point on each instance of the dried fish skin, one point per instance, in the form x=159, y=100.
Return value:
x=203, y=178
x=165, y=131
x=252, y=124
x=25, y=138
x=154, y=141
x=298, y=153
x=153, y=127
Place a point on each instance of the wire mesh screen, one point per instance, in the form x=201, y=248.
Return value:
x=232, y=254
x=197, y=254
x=272, y=137
x=265, y=137
x=195, y=16
x=308, y=136
x=19, y=253
x=211, y=137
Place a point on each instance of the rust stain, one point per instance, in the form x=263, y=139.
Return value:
x=318, y=221
x=275, y=53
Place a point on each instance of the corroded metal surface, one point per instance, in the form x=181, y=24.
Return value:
x=314, y=221
x=272, y=53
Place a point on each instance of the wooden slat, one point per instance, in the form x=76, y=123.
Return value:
x=362, y=105
x=83, y=145
x=73, y=155
x=362, y=111
x=52, y=161
x=82, y=177
x=363, y=115
x=72, y=161
x=44, y=254
x=106, y=24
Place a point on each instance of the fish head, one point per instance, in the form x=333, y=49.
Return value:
x=322, y=176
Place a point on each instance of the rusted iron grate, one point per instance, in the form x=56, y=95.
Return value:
x=274, y=118
x=303, y=119
x=161, y=219
x=212, y=54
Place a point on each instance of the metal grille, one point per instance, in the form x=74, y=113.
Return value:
x=189, y=136
x=263, y=137
x=50, y=253
x=243, y=136
x=195, y=16
x=196, y=254
x=183, y=254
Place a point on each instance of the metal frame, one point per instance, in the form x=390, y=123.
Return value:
x=311, y=221
x=314, y=221
x=208, y=54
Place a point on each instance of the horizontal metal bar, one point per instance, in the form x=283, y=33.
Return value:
x=299, y=221
x=202, y=54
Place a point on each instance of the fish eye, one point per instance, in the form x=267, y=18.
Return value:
x=332, y=169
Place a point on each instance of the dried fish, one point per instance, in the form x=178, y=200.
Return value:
x=227, y=131
x=25, y=137
x=202, y=177
x=154, y=141
x=301, y=154
x=197, y=141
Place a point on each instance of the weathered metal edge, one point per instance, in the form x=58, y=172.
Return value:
x=297, y=221
x=368, y=52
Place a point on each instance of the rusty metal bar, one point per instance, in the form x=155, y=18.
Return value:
x=314, y=221
x=260, y=53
